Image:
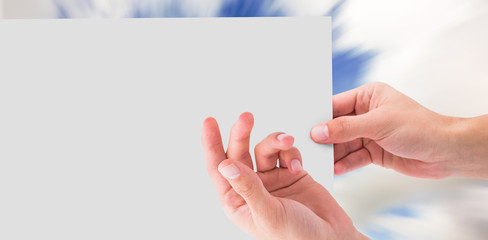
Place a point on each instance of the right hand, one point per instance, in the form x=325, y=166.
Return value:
x=377, y=124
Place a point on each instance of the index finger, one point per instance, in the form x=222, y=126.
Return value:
x=344, y=103
x=214, y=153
x=356, y=101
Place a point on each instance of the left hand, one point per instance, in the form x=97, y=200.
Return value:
x=275, y=202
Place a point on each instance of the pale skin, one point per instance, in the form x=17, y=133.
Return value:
x=377, y=124
x=372, y=124
x=275, y=202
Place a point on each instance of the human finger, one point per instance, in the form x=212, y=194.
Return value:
x=247, y=184
x=214, y=153
x=279, y=178
x=357, y=101
x=353, y=161
x=267, y=151
x=344, y=103
x=240, y=135
x=292, y=159
x=342, y=149
x=347, y=128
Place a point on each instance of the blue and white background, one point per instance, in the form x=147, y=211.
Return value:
x=434, y=51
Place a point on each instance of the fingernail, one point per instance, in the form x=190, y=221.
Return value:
x=296, y=165
x=281, y=136
x=230, y=171
x=320, y=133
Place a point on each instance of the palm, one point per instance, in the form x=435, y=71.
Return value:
x=300, y=188
x=273, y=202
x=294, y=197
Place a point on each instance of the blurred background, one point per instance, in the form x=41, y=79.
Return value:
x=434, y=51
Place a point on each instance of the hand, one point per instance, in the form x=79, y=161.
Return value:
x=275, y=202
x=377, y=124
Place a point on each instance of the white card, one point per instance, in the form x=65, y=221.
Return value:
x=100, y=120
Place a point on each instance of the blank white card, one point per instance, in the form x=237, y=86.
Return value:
x=100, y=120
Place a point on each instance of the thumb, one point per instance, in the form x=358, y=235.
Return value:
x=345, y=129
x=247, y=184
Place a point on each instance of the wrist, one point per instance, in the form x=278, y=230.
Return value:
x=467, y=147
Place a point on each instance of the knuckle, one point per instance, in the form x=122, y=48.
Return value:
x=295, y=150
x=295, y=153
x=245, y=189
x=344, y=124
x=258, y=147
x=232, y=199
x=347, y=148
x=380, y=85
x=239, y=133
x=258, y=150
x=376, y=84
x=291, y=152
